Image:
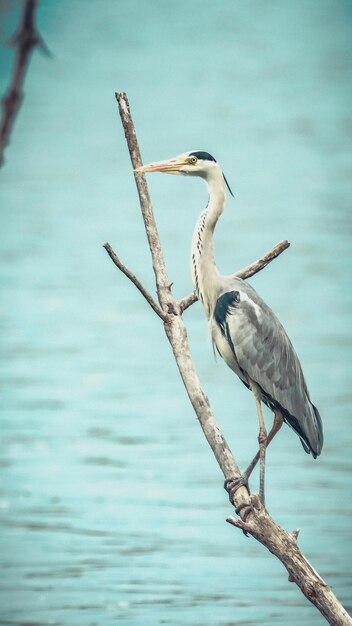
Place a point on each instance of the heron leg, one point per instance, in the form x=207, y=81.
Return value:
x=232, y=484
x=262, y=436
x=278, y=421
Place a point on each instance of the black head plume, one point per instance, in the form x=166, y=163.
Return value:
x=228, y=186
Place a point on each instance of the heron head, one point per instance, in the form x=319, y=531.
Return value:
x=194, y=163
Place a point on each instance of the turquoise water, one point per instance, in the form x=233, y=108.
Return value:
x=111, y=505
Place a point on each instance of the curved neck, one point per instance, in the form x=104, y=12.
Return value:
x=204, y=271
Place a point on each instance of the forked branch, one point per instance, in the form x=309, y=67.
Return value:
x=253, y=518
x=113, y=256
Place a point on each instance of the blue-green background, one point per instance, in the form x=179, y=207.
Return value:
x=112, y=508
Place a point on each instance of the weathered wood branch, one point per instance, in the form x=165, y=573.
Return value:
x=285, y=547
x=24, y=41
x=254, y=518
x=259, y=265
x=161, y=278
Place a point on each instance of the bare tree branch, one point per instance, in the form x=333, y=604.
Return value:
x=254, y=518
x=24, y=40
x=187, y=301
x=161, y=277
x=135, y=281
x=259, y=265
x=246, y=272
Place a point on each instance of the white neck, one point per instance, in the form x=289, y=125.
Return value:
x=204, y=271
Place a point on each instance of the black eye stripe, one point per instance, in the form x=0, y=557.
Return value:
x=203, y=155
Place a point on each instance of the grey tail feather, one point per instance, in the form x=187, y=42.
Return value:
x=310, y=431
x=312, y=436
x=318, y=430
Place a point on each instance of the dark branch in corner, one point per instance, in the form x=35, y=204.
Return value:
x=24, y=41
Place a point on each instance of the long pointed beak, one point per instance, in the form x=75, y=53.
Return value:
x=171, y=166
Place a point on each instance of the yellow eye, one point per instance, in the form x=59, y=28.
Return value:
x=192, y=160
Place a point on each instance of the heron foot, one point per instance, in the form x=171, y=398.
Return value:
x=262, y=438
x=245, y=509
x=233, y=484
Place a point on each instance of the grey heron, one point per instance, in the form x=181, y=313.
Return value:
x=244, y=330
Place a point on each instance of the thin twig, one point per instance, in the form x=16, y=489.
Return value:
x=187, y=301
x=246, y=272
x=113, y=256
x=24, y=40
x=259, y=265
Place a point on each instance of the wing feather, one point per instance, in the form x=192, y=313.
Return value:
x=264, y=353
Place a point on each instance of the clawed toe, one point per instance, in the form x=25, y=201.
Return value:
x=245, y=509
x=233, y=484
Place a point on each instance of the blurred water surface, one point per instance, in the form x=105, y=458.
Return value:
x=112, y=509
